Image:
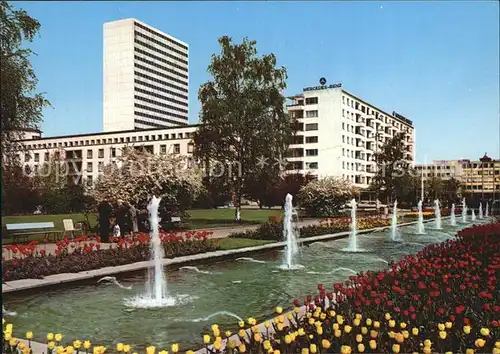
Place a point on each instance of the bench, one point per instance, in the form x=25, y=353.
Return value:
x=33, y=228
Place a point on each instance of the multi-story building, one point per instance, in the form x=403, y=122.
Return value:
x=87, y=154
x=145, y=77
x=339, y=133
x=444, y=169
x=481, y=178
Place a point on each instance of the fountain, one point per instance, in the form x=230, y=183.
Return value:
x=353, y=242
x=453, y=221
x=487, y=210
x=290, y=234
x=420, y=225
x=395, y=236
x=156, y=285
x=480, y=210
x=464, y=211
x=437, y=214
x=473, y=218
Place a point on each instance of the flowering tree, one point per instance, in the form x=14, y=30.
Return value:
x=325, y=197
x=139, y=174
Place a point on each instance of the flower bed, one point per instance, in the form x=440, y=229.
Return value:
x=274, y=231
x=87, y=254
x=443, y=299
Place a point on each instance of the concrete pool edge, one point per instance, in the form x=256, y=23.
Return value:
x=65, y=278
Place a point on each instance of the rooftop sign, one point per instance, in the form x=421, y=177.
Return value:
x=322, y=87
x=399, y=116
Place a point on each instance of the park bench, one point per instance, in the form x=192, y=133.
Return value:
x=20, y=232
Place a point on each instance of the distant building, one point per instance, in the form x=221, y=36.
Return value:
x=444, y=169
x=339, y=133
x=482, y=178
x=145, y=77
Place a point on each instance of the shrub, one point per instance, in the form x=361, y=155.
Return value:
x=325, y=197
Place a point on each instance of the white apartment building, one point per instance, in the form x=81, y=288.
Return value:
x=339, y=134
x=444, y=169
x=145, y=77
x=87, y=154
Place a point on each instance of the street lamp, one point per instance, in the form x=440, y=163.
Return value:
x=484, y=159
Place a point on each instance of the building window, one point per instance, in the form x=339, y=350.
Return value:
x=312, y=100
x=100, y=153
x=163, y=149
x=89, y=166
x=311, y=152
x=311, y=139
x=190, y=148
x=177, y=148
x=311, y=114
x=89, y=154
x=37, y=157
x=46, y=157
x=343, y=99
x=159, y=136
x=311, y=126
x=343, y=166
x=343, y=138
x=89, y=180
x=313, y=165
x=343, y=126
x=26, y=157
x=100, y=166
x=127, y=139
x=140, y=138
x=134, y=139
x=113, y=152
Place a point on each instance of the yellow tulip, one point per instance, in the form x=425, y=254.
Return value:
x=326, y=344
x=497, y=344
x=396, y=348
x=51, y=345
x=242, y=333
x=9, y=328
x=441, y=327
x=414, y=331
x=59, y=349
x=311, y=321
x=301, y=331
x=467, y=329
x=469, y=351
x=50, y=336
x=402, y=325
x=242, y=348
x=7, y=336
x=399, y=338
x=206, y=339
x=228, y=333
x=340, y=319
x=364, y=330
x=373, y=344
x=12, y=342
x=281, y=318
x=305, y=351
x=296, y=309
x=175, y=348
x=358, y=316
x=257, y=337
x=347, y=329
x=77, y=344
x=406, y=334
x=119, y=347
x=280, y=326
x=391, y=334
x=448, y=325
x=448, y=352
x=338, y=333
x=485, y=332
x=151, y=350
x=251, y=321
x=126, y=348
x=376, y=324
x=387, y=316
x=231, y=344
x=58, y=337
x=335, y=326
x=322, y=316
x=359, y=338
x=313, y=348
x=162, y=352
x=21, y=345
x=373, y=334
x=27, y=350
x=29, y=335
x=216, y=332
x=345, y=349
x=331, y=313
x=276, y=351
x=368, y=322
x=442, y=334
x=392, y=323
x=217, y=344
x=479, y=343
x=241, y=324
x=427, y=350
x=279, y=310
x=356, y=322
x=190, y=352
x=427, y=343
x=86, y=344
x=70, y=349
x=496, y=351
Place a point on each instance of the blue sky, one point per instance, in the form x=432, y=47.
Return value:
x=436, y=63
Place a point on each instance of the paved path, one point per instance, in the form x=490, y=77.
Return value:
x=220, y=232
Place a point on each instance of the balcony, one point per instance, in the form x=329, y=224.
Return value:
x=360, y=131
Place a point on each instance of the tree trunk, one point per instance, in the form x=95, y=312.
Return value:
x=237, y=202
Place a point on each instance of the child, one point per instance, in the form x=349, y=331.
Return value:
x=116, y=228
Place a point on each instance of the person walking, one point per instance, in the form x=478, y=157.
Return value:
x=104, y=210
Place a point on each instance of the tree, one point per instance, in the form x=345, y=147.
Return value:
x=139, y=175
x=20, y=107
x=393, y=176
x=19, y=193
x=245, y=129
x=326, y=197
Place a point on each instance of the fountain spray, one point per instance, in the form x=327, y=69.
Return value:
x=437, y=213
x=420, y=225
x=289, y=233
x=453, y=220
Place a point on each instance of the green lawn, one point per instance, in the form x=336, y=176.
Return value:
x=257, y=215
x=233, y=243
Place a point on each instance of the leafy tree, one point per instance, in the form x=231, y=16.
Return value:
x=20, y=107
x=326, y=197
x=393, y=175
x=244, y=126
x=19, y=193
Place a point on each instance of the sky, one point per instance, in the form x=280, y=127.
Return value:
x=436, y=63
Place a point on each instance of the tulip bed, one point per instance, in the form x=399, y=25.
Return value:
x=87, y=253
x=444, y=299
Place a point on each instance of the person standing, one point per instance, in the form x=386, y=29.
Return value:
x=105, y=210
x=121, y=216
x=132, y=213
